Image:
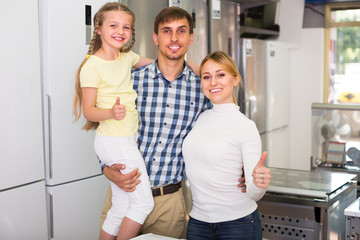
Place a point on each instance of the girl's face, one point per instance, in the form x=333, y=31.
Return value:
x=217, y=84
x=115, y=31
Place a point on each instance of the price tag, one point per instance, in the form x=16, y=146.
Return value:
x=174, y=3
x=216, y=11
x=336, y=153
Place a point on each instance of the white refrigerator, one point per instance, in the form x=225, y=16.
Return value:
x=22, y=185
x=75, y=187
x=277, y=104
x=264, y=96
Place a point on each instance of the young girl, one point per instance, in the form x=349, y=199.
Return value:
x=221, y=143
x=103, y=81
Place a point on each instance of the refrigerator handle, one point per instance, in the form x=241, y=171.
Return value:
x=249, y=109
x=51, y=216
x=250, y=103
x=50, y=137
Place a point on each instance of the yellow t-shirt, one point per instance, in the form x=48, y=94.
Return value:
x=113, y=79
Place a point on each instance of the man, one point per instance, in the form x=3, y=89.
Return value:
x=169, y=101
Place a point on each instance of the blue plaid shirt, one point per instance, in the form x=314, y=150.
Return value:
x=167, y=112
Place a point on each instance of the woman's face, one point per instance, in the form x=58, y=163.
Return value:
x=217, y=84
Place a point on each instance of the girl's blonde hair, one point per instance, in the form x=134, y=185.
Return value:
x=95, y=45
x=227, y=64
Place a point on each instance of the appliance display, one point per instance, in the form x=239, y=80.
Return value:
x=22, y=185
x=306, y=204
x=335, y=125
x=264, y=95
x=352, y=214
x=75, y=187
x=259, y=21
x=224, y=28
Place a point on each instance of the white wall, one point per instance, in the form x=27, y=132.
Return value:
x=289, y=16
x=306, y=87
x=306, y=70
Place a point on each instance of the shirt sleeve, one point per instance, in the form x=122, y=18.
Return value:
x=134, y=58
x=251, y=149
x=89, y=76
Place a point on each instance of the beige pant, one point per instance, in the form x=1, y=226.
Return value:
x=168, y=218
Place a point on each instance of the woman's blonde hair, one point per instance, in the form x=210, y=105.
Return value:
x=227, y=64
x=94, y=46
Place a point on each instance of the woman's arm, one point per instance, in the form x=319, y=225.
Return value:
x=194, y=67
x=94, y=114
x=251, y=153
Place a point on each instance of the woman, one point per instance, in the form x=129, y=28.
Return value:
x=221, y=144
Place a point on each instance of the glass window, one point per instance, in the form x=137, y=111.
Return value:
x=349, y=15
x=343, y=55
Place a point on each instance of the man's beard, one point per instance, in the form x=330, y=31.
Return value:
x=178, y=57
x=170, y=56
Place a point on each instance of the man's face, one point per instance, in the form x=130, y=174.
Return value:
x=173, y=39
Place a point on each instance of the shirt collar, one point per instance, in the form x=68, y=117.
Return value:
x=155, y=71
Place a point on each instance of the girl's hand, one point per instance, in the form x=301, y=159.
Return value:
x=118, y=110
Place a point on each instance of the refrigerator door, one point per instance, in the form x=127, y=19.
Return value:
x=22, y=159
x=75, y=209
x=69, y=150
x=199, y=12
x=277, y=85
x=252, y=97
x=277, y=146
x=224, y=30
x=23, y=212
x=277, y=104
x=144, y=24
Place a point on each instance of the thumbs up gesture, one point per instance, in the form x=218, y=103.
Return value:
x=261, y=175
x=118, y=110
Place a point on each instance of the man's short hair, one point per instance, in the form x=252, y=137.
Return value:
x=170, y=14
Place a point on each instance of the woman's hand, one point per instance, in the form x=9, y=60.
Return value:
x=261, y=175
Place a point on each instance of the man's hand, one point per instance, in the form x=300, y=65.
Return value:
x=242, y=184
x=126, y=182
x=261, y=175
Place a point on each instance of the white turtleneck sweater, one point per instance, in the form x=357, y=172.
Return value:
x=222, y=141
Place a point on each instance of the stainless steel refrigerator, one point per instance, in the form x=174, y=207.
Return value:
x=264, y=95
x=224, y=28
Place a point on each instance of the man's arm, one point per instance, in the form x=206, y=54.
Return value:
x=126, y=182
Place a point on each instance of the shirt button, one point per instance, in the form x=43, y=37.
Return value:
x=160, y=142
x=169, y=86
x=153, y=159
x=167, y=105
x=164, y=123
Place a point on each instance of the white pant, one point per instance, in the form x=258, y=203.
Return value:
x=134, y=205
